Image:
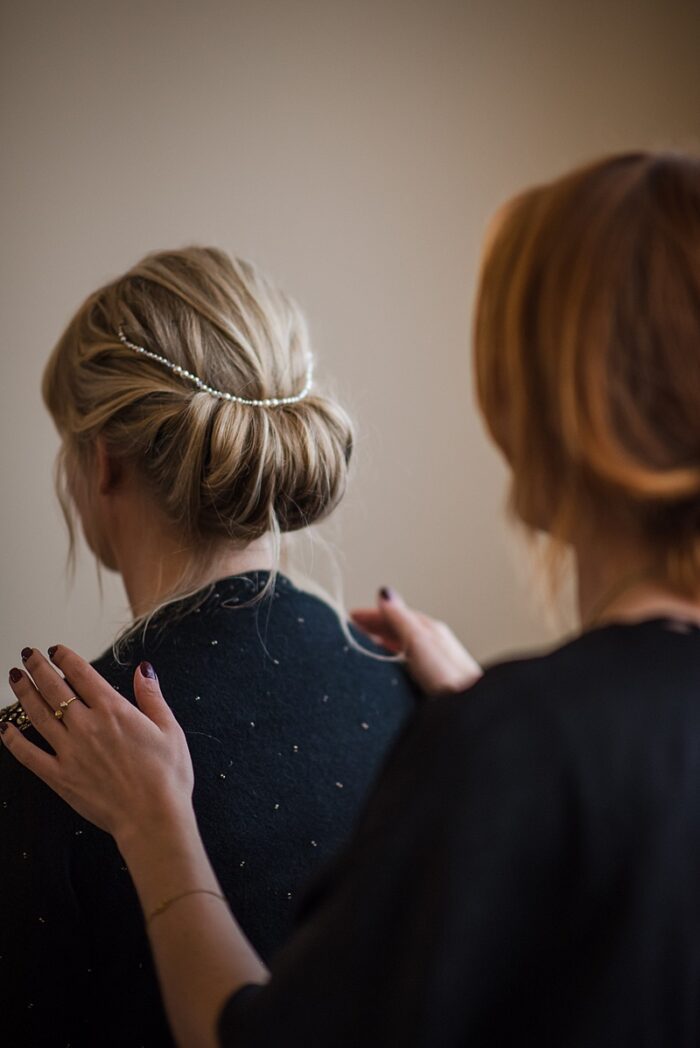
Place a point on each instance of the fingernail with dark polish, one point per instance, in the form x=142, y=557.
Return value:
x=386, y=593
x=26, y=653
x=147, y=670
x=52, y=650
x=3, y=729
x=15, y=675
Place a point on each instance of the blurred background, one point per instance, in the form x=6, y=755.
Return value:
x=355, y=150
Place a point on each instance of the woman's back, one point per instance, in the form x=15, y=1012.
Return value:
x=287, y=724
x=193, y=439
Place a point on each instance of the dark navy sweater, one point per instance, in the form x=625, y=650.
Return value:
x=287, y=724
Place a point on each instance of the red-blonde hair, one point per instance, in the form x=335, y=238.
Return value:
x=587, y=354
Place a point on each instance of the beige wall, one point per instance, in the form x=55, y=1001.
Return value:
x=355, y=150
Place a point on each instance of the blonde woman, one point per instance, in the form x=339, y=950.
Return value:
x=193, y=437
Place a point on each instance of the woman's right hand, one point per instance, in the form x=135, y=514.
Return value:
x=434, y=657
x=125, y=768
x=128, y=770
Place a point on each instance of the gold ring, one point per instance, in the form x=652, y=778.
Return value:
x=62, y=706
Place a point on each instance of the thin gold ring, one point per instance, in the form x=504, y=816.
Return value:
x=62, y=707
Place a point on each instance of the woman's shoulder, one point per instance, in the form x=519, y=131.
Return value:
x=276, y=648
x=592, y=686
x=610, y=659
x=251, y=631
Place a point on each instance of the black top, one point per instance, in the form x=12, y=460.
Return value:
x=527, y=872
x=287, y=724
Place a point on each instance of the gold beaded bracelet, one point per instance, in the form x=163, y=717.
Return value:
x=176, y=898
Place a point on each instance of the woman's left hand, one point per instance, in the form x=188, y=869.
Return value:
x=434, y=657
x=121, y=767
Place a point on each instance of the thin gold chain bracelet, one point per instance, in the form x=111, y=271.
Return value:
x=167, y=903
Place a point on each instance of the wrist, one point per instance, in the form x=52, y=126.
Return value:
x=166, y=858
x=171, y=829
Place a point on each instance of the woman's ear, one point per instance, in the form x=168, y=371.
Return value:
x=108, y=470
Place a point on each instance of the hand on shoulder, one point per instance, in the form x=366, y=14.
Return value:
x=434, y=657
x=121, y=766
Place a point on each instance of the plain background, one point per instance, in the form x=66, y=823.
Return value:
x=355, y=150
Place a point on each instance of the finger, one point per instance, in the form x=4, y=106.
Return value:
x=89, y=685
x=398, y=616
x=149, y=697
x=378, y=631
x=52, y=687
x=368, y=618
x=39, y=712
x=373, y=620
x=387, y=642
x=28, y=754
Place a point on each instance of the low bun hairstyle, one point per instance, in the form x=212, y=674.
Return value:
x=587, y=354
x=219, y=470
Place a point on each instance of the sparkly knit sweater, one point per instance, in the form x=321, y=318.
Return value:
x=287, y=724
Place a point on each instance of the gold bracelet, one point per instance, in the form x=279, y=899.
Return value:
x=169, y=902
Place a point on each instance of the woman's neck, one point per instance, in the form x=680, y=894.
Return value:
x=620, y=582
x=154, y=565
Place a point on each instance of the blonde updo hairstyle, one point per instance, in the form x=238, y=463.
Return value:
x=219, y=471
x=587, y=355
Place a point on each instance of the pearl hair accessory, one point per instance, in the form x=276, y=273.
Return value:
x=269, y=402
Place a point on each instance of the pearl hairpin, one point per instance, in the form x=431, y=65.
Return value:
x=268, y=402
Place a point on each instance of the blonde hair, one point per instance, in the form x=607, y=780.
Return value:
x=587, y=354
x=219, y=471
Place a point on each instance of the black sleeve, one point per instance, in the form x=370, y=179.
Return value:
x=448, y=902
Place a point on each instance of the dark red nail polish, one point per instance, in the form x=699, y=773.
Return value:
x=52, y=650
x=15, y=675
x=386, y=593
x=3, y=728
x=147, y=670
x=26, y=653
